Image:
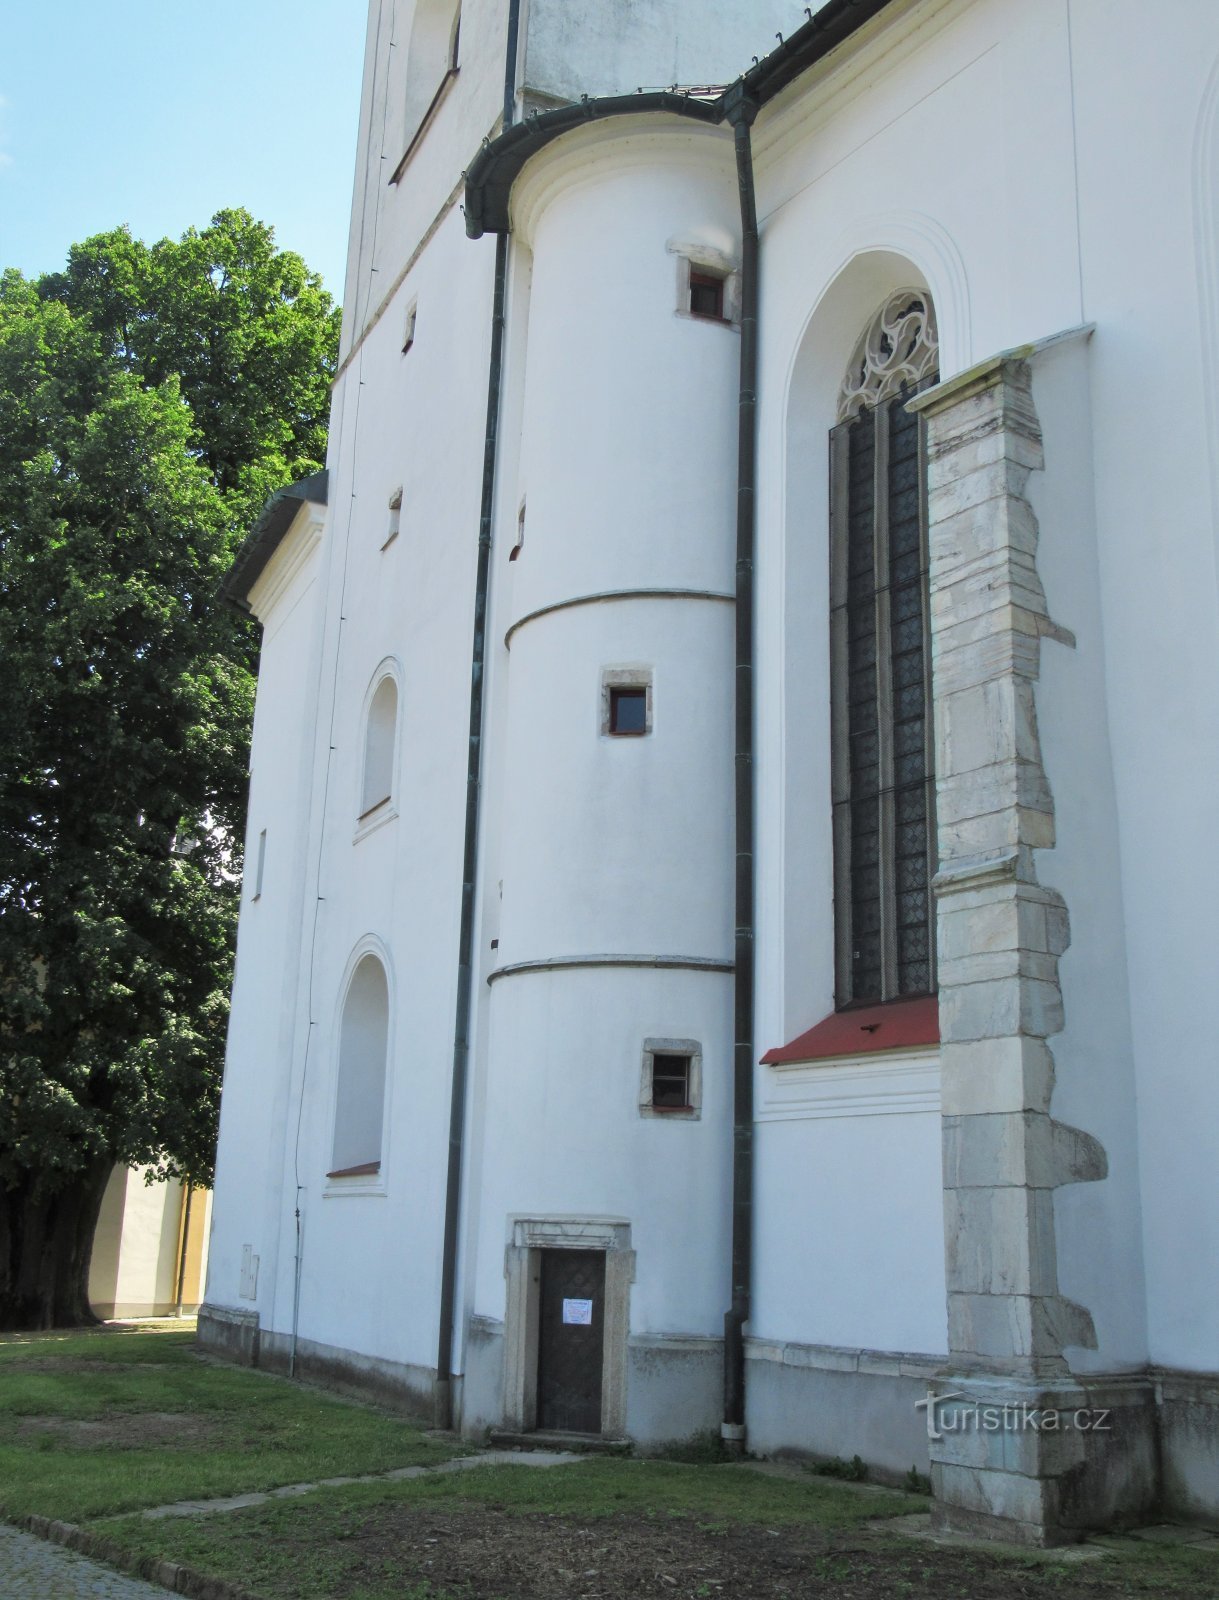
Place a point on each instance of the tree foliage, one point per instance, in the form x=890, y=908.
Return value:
x=150, y=399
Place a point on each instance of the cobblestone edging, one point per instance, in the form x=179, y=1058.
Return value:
x=178, y=1580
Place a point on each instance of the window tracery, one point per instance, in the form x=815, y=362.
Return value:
x=898, y=349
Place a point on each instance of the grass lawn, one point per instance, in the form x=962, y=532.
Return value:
x=606, y=1529
x=96, y=1426
x=113, y=1419
x=503, y=1530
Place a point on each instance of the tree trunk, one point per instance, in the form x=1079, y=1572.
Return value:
x=46, y=1241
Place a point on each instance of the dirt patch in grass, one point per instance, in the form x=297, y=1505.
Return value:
x=465, y=1551
x=484, y=1554
x=123, y=1430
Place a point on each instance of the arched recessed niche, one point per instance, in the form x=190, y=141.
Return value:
x=360, y=1092
x=380, y=746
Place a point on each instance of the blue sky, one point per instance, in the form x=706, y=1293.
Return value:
x=158, y=113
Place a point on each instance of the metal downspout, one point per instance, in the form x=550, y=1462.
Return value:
x=740, y=110
x=443, y=1394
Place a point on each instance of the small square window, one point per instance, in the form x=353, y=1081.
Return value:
x=628, y=708
x=706, y=295
x=671, y=1082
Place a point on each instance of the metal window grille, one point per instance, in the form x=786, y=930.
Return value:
x=883, y=738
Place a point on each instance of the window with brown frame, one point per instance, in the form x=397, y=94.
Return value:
x=628, y=709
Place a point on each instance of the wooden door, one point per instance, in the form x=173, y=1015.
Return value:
x=571, y=1337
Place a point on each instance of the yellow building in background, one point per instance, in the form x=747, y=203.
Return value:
x=150, y=1247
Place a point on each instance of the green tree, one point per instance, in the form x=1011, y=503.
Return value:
x=150, y=398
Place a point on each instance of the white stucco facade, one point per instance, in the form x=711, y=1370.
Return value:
x=1043, y=171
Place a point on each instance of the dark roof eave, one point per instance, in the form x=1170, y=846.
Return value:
x=498, y=164
x=824, y=31
x=276, y=517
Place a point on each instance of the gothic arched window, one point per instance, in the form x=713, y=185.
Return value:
x=883, y=739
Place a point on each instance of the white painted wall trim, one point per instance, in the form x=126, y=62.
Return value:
x=613, y=595
x=295, y=551
x=844, y=1358
x=863, y=1086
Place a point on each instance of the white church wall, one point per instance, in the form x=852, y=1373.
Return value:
x=391, y=219
x=1097, y=1224
x=250, y=1213
x=848, y=1179
x=595, y=822
x=627, y=457
x=565, y=1081
x=370, y=1258
x=1148, y=232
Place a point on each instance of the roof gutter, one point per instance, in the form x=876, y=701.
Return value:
x=488, y=192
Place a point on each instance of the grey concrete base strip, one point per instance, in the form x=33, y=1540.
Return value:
x=1094, y=1548
x=491, y=1458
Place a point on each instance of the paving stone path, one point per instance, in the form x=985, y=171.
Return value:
x=33, y=1569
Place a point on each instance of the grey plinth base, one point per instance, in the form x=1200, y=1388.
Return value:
x=541, y=1439
x=224, y=1331
x=1042, y=1462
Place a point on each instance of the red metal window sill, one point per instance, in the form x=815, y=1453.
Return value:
x=865, y=1030
x=367, y=1169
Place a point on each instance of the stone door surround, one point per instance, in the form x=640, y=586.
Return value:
x=529, y=1236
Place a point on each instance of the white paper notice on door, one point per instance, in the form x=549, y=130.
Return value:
x=579, y=1312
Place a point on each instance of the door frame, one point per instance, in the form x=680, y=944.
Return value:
x=529, y=1236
